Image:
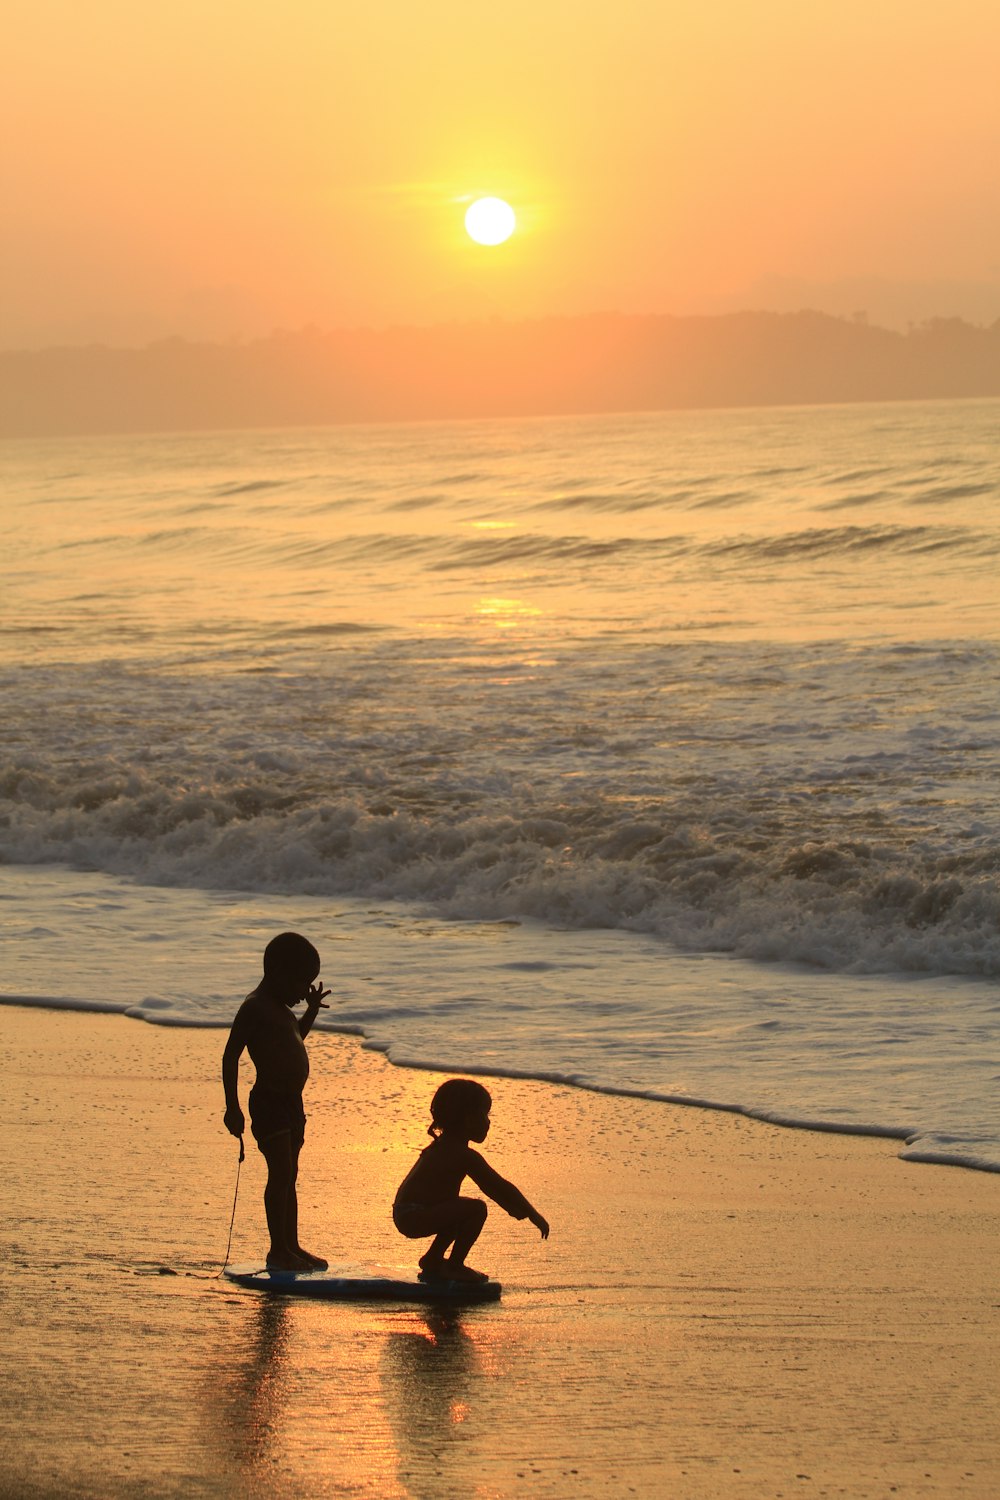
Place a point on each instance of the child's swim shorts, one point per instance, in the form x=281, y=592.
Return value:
x=272, y=1114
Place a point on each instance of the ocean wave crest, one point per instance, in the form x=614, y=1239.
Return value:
x=707, y=872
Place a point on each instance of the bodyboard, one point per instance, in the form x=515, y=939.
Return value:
x=361, y=1284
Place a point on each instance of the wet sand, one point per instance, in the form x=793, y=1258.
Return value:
x=724, y=1308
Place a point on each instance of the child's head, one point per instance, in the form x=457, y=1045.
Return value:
x=462, y=1106
x=291, y=963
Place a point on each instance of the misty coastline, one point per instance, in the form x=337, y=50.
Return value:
x=543, y=367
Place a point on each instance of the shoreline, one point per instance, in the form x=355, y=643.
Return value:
x=924, y=1157
x=725, y=1307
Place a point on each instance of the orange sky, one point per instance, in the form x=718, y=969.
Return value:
x=217, y=169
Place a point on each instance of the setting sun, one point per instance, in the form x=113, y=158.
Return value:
x=490, y=221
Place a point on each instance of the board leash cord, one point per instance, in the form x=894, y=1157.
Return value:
x=232, y=1220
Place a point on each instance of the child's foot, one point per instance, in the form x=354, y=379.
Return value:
x=314, y=1262
x=432, y=1268
x=286, y=1260
x=457, y=1271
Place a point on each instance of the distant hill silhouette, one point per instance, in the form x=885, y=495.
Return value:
x=600, y=363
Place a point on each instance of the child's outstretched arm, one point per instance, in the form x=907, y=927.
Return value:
x=509, y=1197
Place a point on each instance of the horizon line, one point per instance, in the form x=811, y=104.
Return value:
x=859, y=319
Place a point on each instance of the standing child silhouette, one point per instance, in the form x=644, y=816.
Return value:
x=428, y=1201
x=265, y=1027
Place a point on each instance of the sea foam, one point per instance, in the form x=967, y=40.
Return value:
x=783, y=803
x=607, y=1011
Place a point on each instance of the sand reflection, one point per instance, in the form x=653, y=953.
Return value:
x=399, y=1402
x=261, y=1397
x=435, y=1372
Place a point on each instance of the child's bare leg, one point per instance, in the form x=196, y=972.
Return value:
x=316, y=1262
x=475, y=1218
x=432, y=1260
x=462, y=1225
x=280, y=1202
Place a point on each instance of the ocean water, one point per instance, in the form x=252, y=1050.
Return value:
x=656, y=753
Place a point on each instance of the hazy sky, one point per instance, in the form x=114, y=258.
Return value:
x=216, y=169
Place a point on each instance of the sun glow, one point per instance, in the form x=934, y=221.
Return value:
x=490, y=221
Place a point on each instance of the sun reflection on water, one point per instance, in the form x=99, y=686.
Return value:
x=507, y=614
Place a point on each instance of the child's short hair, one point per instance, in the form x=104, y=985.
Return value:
x=454, y=1102
x=290, y=952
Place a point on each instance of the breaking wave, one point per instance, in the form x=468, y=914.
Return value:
x=833, y=871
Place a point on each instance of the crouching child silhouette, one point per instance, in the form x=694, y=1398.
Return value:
x=275, y=1039
x=429, y=1201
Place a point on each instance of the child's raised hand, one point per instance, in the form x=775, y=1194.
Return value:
x=317, y=994
x=542, y=1225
